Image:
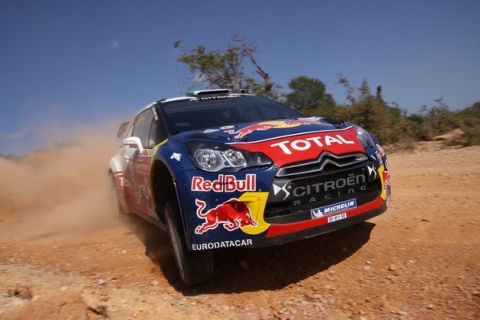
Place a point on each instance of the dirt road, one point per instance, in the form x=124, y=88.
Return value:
x=63, y=255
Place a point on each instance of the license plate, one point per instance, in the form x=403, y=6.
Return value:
x=337, y=217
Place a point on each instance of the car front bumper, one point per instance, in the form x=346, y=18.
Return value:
x=209, y=201
x=285, y=233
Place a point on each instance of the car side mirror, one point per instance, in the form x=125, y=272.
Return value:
x=134, y=142
x=122, y=129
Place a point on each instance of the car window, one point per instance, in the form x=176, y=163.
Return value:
x=142, y=126
x=194, y=114
x=157, y=133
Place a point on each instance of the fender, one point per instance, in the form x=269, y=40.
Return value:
x=163, y=156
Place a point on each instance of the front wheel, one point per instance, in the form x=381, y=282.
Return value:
x=193, y=267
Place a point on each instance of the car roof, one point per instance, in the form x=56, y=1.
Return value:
x=189, y=98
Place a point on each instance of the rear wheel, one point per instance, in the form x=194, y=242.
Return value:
x=193, y=267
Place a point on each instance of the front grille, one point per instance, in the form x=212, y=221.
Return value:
x=327, y=161
x=292, y=200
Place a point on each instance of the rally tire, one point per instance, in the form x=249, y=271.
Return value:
x=193, y=267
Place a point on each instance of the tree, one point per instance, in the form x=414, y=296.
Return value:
x=226, y=69
x=438, y=120
x=470, y=119
x=309, y=93
x=388, y=123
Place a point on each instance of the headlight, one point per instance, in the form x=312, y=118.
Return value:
x=214, y=157
x=364, y=137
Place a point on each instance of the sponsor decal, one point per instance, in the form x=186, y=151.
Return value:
x=276, y=124
x=222, y=244
x=232, y=214
x=331, y=185
x=176, y=156
x=307, y=193
x=333, y=208
x=287, y=146
x=256, y=202
x=337, y=217
x=225, y=183
x=282, y=188
x=388, y=186
x=386, y=177
x=143, y=197
x=123, y=182
x=304, y=146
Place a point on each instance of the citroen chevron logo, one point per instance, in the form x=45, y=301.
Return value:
x=319, y=164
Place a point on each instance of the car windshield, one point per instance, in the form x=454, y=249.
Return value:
x=185, y=115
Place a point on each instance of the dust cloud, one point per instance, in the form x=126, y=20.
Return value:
x=59, y=189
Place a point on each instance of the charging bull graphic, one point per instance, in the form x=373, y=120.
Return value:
x=233, y=214
x=267, y=125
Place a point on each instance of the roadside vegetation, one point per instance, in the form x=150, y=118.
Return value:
x=237, y=68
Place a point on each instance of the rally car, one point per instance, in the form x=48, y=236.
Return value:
x=218, y=169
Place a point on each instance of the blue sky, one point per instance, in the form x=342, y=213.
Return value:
x=72, y=63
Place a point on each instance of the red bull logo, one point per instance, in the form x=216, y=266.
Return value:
x=275, y=124
x=232, y=214
x=227, y=183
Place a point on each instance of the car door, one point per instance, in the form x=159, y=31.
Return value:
x=140, y=162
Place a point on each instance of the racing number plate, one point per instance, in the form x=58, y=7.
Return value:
x=337, y=217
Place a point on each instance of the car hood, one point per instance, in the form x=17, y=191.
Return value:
x=261, y=130
x=283, y=141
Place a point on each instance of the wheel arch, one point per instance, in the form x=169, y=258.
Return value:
x=119, y=189
x=163, y=189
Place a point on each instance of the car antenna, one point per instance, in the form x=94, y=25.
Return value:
x=176, y=45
